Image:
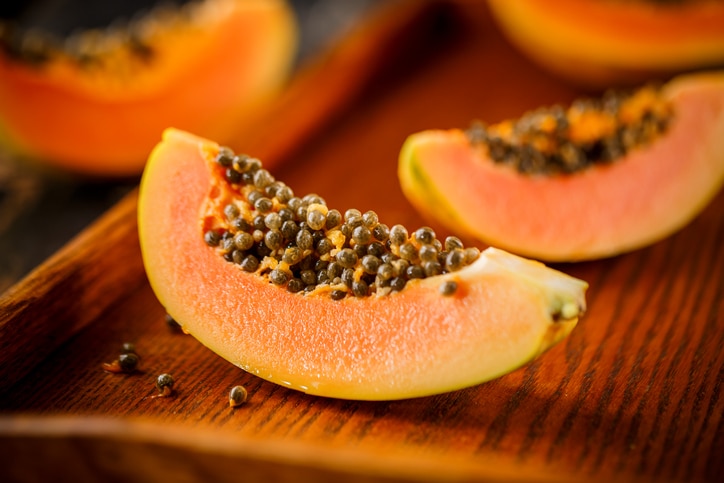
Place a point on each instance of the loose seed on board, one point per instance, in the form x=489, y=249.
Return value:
x=164, y=384
x=237, y=396
x=126, y=362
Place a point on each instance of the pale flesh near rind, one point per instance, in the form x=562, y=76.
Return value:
x=505, y=312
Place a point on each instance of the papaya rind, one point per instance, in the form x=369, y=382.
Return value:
x=414, y=343
x=596, y=213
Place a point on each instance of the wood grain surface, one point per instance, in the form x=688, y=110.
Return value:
x=634, y=394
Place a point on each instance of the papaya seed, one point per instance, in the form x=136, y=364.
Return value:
x=295, y=285
x=263, y=205
x=225, y=157
x=316, y=219
x=360, y=288
x=352, y=213
x=237, y=396
x=397, y=284
x=361, y=235
x=449, y=287
x=398, y=235
x=126, y=363
x=239, y=162
x=370, y=219
x=212, y=238
x=273, y=221
x=381, y=232
x=455, y=260
x=424, y=235
x=278, y=277
x=262, y=178
x=347, y=258
x=164, y=384
x=231, y=211
x=232, y=176
x=452, y=242
x=338, y=294
x=334, y=219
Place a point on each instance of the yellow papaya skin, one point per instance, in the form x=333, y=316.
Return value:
x=208, y=74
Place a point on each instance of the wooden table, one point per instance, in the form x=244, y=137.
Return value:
x=634, y=394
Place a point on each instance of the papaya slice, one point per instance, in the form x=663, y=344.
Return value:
x=272, y=306
x=97, y=101
x=599, y=43
x=606, y=176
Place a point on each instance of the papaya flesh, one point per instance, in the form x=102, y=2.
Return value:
x=603, y=43
x=96, y=102
x=598, y=209
x=436, y=334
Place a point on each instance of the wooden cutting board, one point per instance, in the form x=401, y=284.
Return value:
x=634, y=394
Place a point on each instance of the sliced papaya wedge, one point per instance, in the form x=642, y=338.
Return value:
x=600, y=44
x=246, y=267
x=97, y=102
x=604, y=177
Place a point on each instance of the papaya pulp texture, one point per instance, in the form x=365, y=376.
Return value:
x=605, y=209
x=605, y=43
x=207, y=71
x=415, y=342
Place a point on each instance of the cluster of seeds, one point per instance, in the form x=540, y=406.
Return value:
x=554, y=140
x=104, y=36
x=302, y=245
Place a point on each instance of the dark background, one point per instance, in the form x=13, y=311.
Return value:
x=39, y=210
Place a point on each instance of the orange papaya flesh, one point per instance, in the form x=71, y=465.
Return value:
x=601, y=43
x=504, y=311
x=599, y=210
x=206, y=69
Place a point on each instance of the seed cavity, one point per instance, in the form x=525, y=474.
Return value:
x=591, y=131
x=301, y=245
